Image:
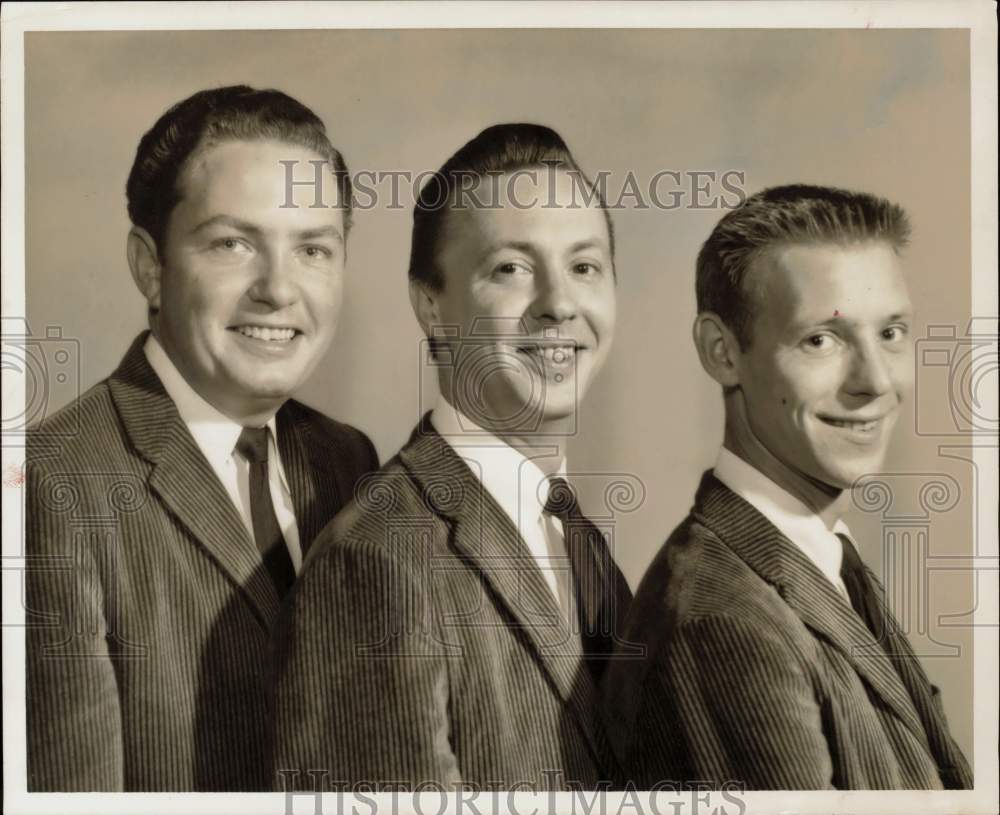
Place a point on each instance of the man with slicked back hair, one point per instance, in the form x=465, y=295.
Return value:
x=451, y=626
x=170, y=507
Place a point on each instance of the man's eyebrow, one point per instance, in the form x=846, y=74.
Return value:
x=589, y=243
x=228, y=220
x=328, y=231
x=520, y=246
x=839, y=316
x=530, y=248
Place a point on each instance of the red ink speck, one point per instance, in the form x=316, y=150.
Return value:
x=13, y=477
x=836, y=313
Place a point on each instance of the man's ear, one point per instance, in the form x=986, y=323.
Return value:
x=425, y=306
x=718, y=349
x=144, y=261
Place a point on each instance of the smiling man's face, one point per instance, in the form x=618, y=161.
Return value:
x=830, y=359
x=529, y=285
x=249, y=291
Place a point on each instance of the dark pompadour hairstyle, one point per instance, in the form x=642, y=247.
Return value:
x=781, y=216
x=503, y=148
x=217, y=115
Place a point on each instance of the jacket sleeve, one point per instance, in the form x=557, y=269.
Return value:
x=74, y=727
x=741, y=707
x=361, y=688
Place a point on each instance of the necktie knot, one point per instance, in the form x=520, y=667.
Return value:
x=252, y=444
x=561, y=500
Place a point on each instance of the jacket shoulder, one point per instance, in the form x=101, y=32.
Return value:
x=696, y=576
x=87, y=429
x=341, y=437
x=387, y=511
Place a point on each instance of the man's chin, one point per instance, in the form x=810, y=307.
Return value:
x=267, y=391
x=843, y=479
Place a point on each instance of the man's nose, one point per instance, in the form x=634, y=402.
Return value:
x=274, y=283
x=554, y=296
x=871, y=372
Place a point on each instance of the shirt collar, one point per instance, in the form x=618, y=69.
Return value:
x=214, y=432
x=517, y=483
x=794, y=519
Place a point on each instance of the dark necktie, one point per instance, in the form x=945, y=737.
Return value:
x=863, y=596
x=252, y=445
x=586, y=549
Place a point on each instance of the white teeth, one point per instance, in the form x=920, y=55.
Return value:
x=863, y=426
x=266, y=334
x=555, y=354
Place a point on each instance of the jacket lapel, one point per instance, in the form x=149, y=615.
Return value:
x=485, y=537
x=806, y=590
x=952, y=765
x=184, y=480
x=311, y=478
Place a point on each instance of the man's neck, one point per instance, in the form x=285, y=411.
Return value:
x=529, y=443
x=529, y=446
x=823, y=499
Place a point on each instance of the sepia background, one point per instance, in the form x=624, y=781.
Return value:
x=883, y=111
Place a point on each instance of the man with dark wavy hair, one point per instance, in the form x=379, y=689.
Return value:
x=772, y=660
x=196, y=484
x=452, y=624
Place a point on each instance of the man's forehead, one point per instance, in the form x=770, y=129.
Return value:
x=536, y=229
x=244, y=176
x=235, y=162
x=855, y=281
x=532, y=199
x=548, y=186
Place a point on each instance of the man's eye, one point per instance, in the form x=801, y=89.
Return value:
x=317, y=252
x=894, y=333
x=586, y=268
x=230, y=245
x=819, y=342
x=510, y=269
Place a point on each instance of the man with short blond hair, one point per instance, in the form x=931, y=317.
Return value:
x=772, y=661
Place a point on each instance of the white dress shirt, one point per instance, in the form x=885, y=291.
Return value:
x=794, y=520
x=216, y=435
x=518, y=485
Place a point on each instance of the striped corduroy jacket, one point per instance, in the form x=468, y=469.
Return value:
x=422, y=644
x=760, y=675
x=149, y=611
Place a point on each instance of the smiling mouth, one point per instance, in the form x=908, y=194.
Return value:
x=854, y=425
x=553, y=357
x=266, y=333
x=551, y=354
